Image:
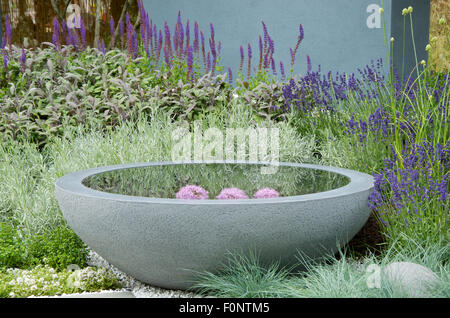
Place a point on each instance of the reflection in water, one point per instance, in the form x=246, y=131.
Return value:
x=164, y=181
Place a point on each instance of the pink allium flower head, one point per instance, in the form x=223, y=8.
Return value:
x=232, y=194
x=266, y=193
x=192, y=192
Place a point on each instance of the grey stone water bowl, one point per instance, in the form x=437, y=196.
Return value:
x=166, y=241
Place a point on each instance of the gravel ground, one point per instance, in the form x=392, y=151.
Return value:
x=139, y=289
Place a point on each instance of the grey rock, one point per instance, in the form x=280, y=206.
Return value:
x=412, y=278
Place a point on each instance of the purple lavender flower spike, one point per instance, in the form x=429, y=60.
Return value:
x=230, y=76
x=261, y=53
x=302, y=34
x=308, y=60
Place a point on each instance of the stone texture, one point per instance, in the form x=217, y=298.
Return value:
x=164, y=242
x=413, y=278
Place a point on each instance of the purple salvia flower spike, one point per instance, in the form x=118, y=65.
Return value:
x=196, y=43
x=56, y=37
x=112, y=28
x=188, y=34
x=83, y=33
x=122, y=33
x=8, y=31
x=242, y=58
x=23, y=60
x=283, y=74
x=208, y=63
x=274, y=69
x=230, y=76
x=249, y=69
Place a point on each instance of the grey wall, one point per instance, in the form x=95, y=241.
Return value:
x=337, y=33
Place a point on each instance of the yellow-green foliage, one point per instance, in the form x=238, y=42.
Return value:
x=440, y=53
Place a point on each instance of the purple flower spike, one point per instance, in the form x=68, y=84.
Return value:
x=274, y=69
x=261, y=53
x=196, y=43
x=249, y=68
x=232, y=194
x=8, y=31
x=112, y=28
x=190, y=62
x=103, y=47
x=208, y=63
x=188, y=33
x=83, y=33
x=167, y=56
x=122, y=33
x=266, y=193
x=192, y=192
x=23, y=60
x=158, y=50
x=203, y=48
x=242, y=59
x=283, y=74
x=230, y=76
x=55, y=36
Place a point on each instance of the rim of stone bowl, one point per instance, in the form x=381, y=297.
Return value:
x=73, y=183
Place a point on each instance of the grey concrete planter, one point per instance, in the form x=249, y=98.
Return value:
x=163, y=242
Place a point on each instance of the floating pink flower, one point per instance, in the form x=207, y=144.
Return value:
x=232, y=194
x=266, y=193
x=192, y=192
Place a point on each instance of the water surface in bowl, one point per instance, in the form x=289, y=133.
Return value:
x=164, y=181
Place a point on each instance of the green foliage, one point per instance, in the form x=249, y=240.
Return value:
x=12, y=251
x=58, y=248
